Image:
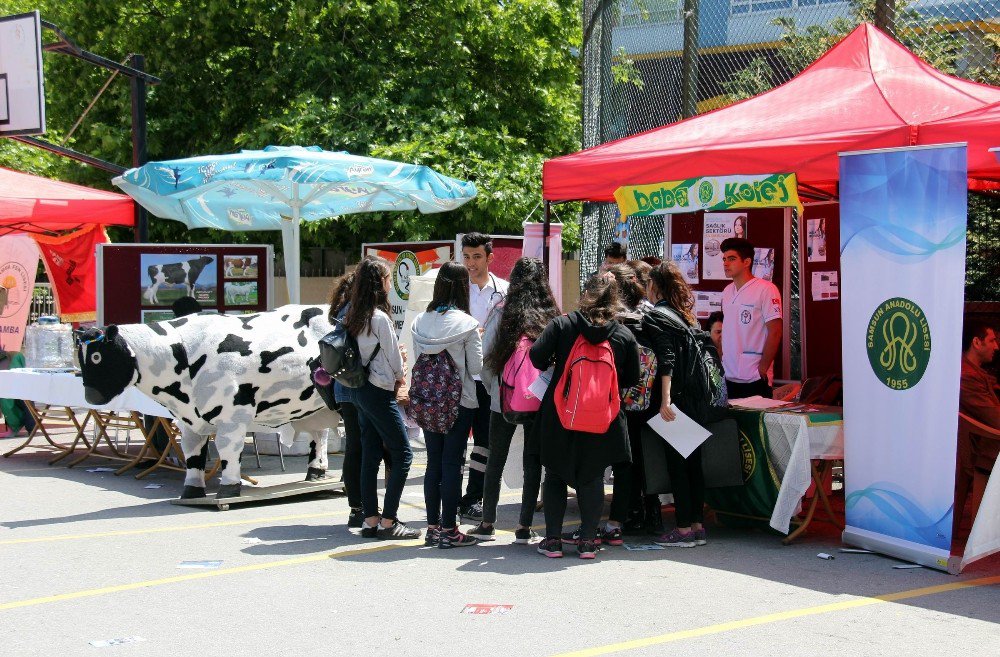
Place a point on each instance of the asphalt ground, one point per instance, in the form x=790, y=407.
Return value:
x=91, y=557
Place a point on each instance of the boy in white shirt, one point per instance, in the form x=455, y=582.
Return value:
x=751, y=334
x=486, y=291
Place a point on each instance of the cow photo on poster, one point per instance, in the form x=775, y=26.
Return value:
x=166, y=277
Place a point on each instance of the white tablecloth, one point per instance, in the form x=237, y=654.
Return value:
x=793, y=441
x=66, y=389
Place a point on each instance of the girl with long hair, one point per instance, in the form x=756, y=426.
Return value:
x=447, y=326
x=339, y=303
x=573, y=458
x=369, y=322
x=672, y=315
x=525, y=312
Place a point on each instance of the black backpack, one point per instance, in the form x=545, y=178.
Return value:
x=340, y=356
x=702, y=394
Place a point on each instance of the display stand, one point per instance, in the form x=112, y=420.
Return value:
x=265, y=493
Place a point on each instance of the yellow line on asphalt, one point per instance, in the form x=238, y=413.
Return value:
x=160, y=530
x=778, y=617
x=89, y=593
x=207, y=525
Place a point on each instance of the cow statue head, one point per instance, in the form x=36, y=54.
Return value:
x=107, y=362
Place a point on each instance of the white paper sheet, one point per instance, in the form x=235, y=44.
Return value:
x=683, y=434
x=759, y=403
x=541, y=384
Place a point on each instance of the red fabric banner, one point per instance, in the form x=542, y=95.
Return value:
x=71, y=265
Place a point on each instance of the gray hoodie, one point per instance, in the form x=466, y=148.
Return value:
x=458, y=333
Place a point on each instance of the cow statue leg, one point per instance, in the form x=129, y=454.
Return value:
x=318, y=425
x=195, y=447
x=229, y=440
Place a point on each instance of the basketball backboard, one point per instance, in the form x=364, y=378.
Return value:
x=22, y=93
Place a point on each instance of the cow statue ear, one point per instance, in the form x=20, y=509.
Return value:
x=111, y=332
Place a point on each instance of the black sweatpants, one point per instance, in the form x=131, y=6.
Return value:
x=590, y=497
x=688, y=483
x=741, y=390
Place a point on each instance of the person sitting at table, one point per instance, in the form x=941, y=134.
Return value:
x=978, y=400
x=714, y=326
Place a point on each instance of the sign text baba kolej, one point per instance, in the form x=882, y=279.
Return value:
x=710, y=194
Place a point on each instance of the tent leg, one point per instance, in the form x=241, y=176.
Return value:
x=545, y=235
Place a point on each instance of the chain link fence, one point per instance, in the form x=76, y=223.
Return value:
x=636, y=77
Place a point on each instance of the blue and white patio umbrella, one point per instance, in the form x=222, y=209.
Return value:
x=276, y=188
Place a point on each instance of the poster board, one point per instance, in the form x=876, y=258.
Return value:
x=766, y=228
x=821, y=337
x=406, y=260
x=137, y=283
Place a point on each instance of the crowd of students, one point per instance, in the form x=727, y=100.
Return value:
x=479, y=342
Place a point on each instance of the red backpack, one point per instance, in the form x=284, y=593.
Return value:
x=586, y=395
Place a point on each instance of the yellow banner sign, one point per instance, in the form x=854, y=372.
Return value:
x=779, y=190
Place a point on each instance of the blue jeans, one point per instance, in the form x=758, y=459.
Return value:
x=443, y=481
x=381, y=423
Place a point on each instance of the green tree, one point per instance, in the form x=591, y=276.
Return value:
x=477, y=89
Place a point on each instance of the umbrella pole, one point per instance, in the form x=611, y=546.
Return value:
x=291, y=244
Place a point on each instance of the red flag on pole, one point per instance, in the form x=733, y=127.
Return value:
x=71, y=265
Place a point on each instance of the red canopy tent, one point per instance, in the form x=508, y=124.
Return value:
x=66, y=221
x=31, y=204
x=866, y=92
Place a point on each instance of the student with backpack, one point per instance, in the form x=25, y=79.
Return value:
x=669, y=327
x=369, y=323
x=507, y=371
x=449, y=352
x=343, y=396
x=580, y=428
x=628, y=502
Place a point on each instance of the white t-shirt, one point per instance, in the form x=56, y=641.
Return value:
x=483, y=301
x=746, y=311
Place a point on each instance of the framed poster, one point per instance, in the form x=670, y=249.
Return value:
x=138, y=283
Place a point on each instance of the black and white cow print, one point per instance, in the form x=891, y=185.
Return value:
x=218, y=374
x=175, y=273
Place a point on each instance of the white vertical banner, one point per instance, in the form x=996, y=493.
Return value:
x=533, y=248
x=18, y=266
x=903, y=222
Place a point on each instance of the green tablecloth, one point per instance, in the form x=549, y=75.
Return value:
x=752, y=503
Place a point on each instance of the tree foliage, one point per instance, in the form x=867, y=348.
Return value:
x=477, y=89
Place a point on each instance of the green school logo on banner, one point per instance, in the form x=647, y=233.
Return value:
x=899, y=343
x=406, y=265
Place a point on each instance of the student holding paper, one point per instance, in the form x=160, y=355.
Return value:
x=673, y=305
x=525, y=312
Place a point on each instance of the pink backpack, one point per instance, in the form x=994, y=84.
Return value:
x=586, y=396
x=517, y=403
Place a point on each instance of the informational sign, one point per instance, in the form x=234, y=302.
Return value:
x=18, y=264
x=825, y=286
x=140, y=282
x=712, y=194
x=718, y=228
x=687, y=256
x=406, y=260
x=903, y=223
x=763, y=263
x=816, y=244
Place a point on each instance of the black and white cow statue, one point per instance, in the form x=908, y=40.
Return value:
x=218, y=374
x=175, y=273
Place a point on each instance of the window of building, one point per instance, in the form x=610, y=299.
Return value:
x=644, y=12
x=738, y=7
